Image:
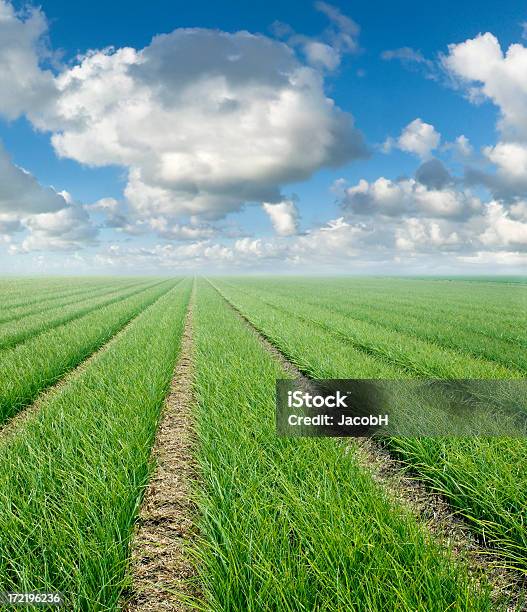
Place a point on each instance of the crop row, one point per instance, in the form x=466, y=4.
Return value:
x=20, y=330
x=500, y=300
x=39, y=291
x=28, y=368
x=297, y=524
x=72, y=474
x=474, y=320
x=408, y=353
x=482, y=478
x=452, y=335
x=59, y=299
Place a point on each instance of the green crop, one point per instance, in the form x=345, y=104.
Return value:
x=297, y=524
x=36, y=364
x=72, y=474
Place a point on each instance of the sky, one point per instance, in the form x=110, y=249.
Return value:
x=266, y=137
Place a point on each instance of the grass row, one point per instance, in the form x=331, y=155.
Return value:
x=333, y=310
x=296, y=524
x=482, y=478
x=494, y=336
x=29, y=368
x=499, y=299
x=72, y=475
x=20, y=330
x=64, y=298
x=406, y=352
x=32, y=291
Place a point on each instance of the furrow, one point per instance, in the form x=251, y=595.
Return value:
x=163, y=576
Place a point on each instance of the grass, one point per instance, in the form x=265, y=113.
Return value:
x=72, y=475
x=22, y=293
x=63, y=298
x=17, y=331
x=297, y=524
x=28, y=368
x=490, y=337
x=480, y=477
x=406, y=352
x=284, y=523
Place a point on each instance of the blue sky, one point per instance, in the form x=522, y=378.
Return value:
x=240, y=190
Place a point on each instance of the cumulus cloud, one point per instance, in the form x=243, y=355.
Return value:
x=284, y=217
x=204, y=121
x=66, y=230
x=21, y=193
x=502, y=231
x=177, y=231
x=510, y=159
x=418, y=137
x=321, y=54
x=433, y=174
x=481, y=67
x=49, y=220
x=461, y=147
x=408, y=197
x=424, y=234
x=26, y=85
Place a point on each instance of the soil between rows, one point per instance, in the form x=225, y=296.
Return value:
x=163, y=577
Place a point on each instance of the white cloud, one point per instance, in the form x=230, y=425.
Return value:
x=419, y=138
x=336, y=240
x=502, y=231
x=24, y=84
x=20, y=192
x=65, y=230
x=178, y=231
x=487, y=73
x=322, y=55
x=46, y=219
x=408, y=197
x=345, y=31
x=504, y=259
x=519, y=211
x=511, y=161
x=10, y=224
x=203, y=120
x=284, y=217
x=418, y=234
x=461, y=146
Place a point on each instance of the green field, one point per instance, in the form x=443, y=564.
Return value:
x=281, y=523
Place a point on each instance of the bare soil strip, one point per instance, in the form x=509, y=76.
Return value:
x=430, y=508
x=163, y=577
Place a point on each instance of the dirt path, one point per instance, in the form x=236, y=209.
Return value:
x=431, y=510
x=162, y=574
